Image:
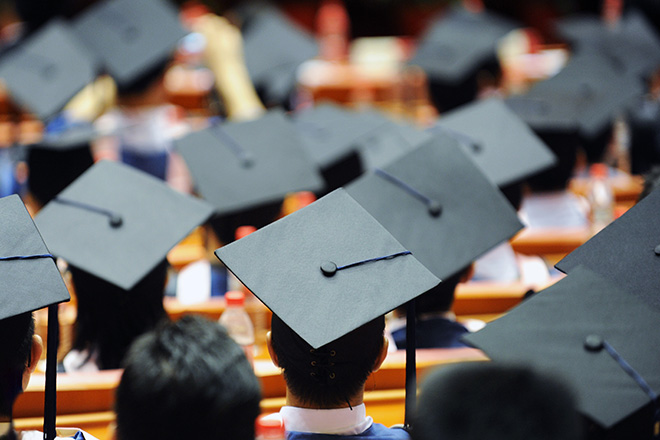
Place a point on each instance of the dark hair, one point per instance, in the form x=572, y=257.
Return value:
x=142, y=83
x=441, y=297
x=187, y=379
x=651, y=182
x=557, y=177
x=15, y=352
x=480, y=400
x=224, y=226
x=111, y=318
x=327, y=377
x=53, y=169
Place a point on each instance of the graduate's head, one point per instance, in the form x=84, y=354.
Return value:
x=441, y=297
x=479, y=400
x=19, y=352
x=53, y=169
x=110, y=318
x=334, y=374
x=187, y=379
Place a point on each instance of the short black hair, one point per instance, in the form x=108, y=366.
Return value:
x=556, y=178
x=327, y=377
x=53, y=169
x=441, y=297
x=15, y=353
x=651, y=182
x=224, y=226
x=187, y=379
x=110, y=318
x=473, y=401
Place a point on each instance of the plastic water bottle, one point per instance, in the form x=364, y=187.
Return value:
x=238, y=324
x=601, y=198
x=270, y=427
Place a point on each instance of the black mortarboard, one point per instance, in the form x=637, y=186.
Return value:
x=131, y=37
x=46, y=70
x=285, y=264
x=118, y=223
x=327, y=269
x=626, y=252
x=454, y=48
x=62, y=155
x=388, y=140
x=241, y=165
x=597, y=91
x=577, y=328
x=274, y=47
x=439, y=205
x=330, y=134
x=630, y=46
x=503, y=146
x=30, y=281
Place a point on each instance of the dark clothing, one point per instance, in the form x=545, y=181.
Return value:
x=433, y=333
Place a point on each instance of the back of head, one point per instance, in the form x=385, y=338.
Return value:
x=557, y=177
x=327, y=377
x=441, y=297
x=111, y=318
x=187, y=379
x=51, y=170
x=15, y=350
x=499, y=402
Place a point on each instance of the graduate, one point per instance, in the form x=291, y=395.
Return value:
x=329, y=272
x=30, y=281
x=114, y=226
x=187, y=378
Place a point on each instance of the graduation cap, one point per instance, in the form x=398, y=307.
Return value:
x=118, y=223
x=631, y=46
x=59, y=157
x=501, y=144
x=596, y=91
x=47, y=69
x=438, y=203
x=454, y=48
x=274, y=47
x=601, y=339
x=387, y=140
x=30, y=281
x=131, y=37
x=626, y=252
x=327, y=269
x=330, y=134
x=240, y=165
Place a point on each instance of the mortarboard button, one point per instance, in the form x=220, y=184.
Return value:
x=328, y=268
x=657, y=250
x=593, y=343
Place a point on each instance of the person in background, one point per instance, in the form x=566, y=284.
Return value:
x=499, y=402
x=187, y=379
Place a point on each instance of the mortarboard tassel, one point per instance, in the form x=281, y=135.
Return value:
x=114, y=218
x=595, y=343
x=435, y=209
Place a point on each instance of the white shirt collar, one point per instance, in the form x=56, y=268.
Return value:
x=341, y=421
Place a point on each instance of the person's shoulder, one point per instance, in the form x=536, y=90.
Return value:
x=376, y=432
x=61, y=433
x=379, y=431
